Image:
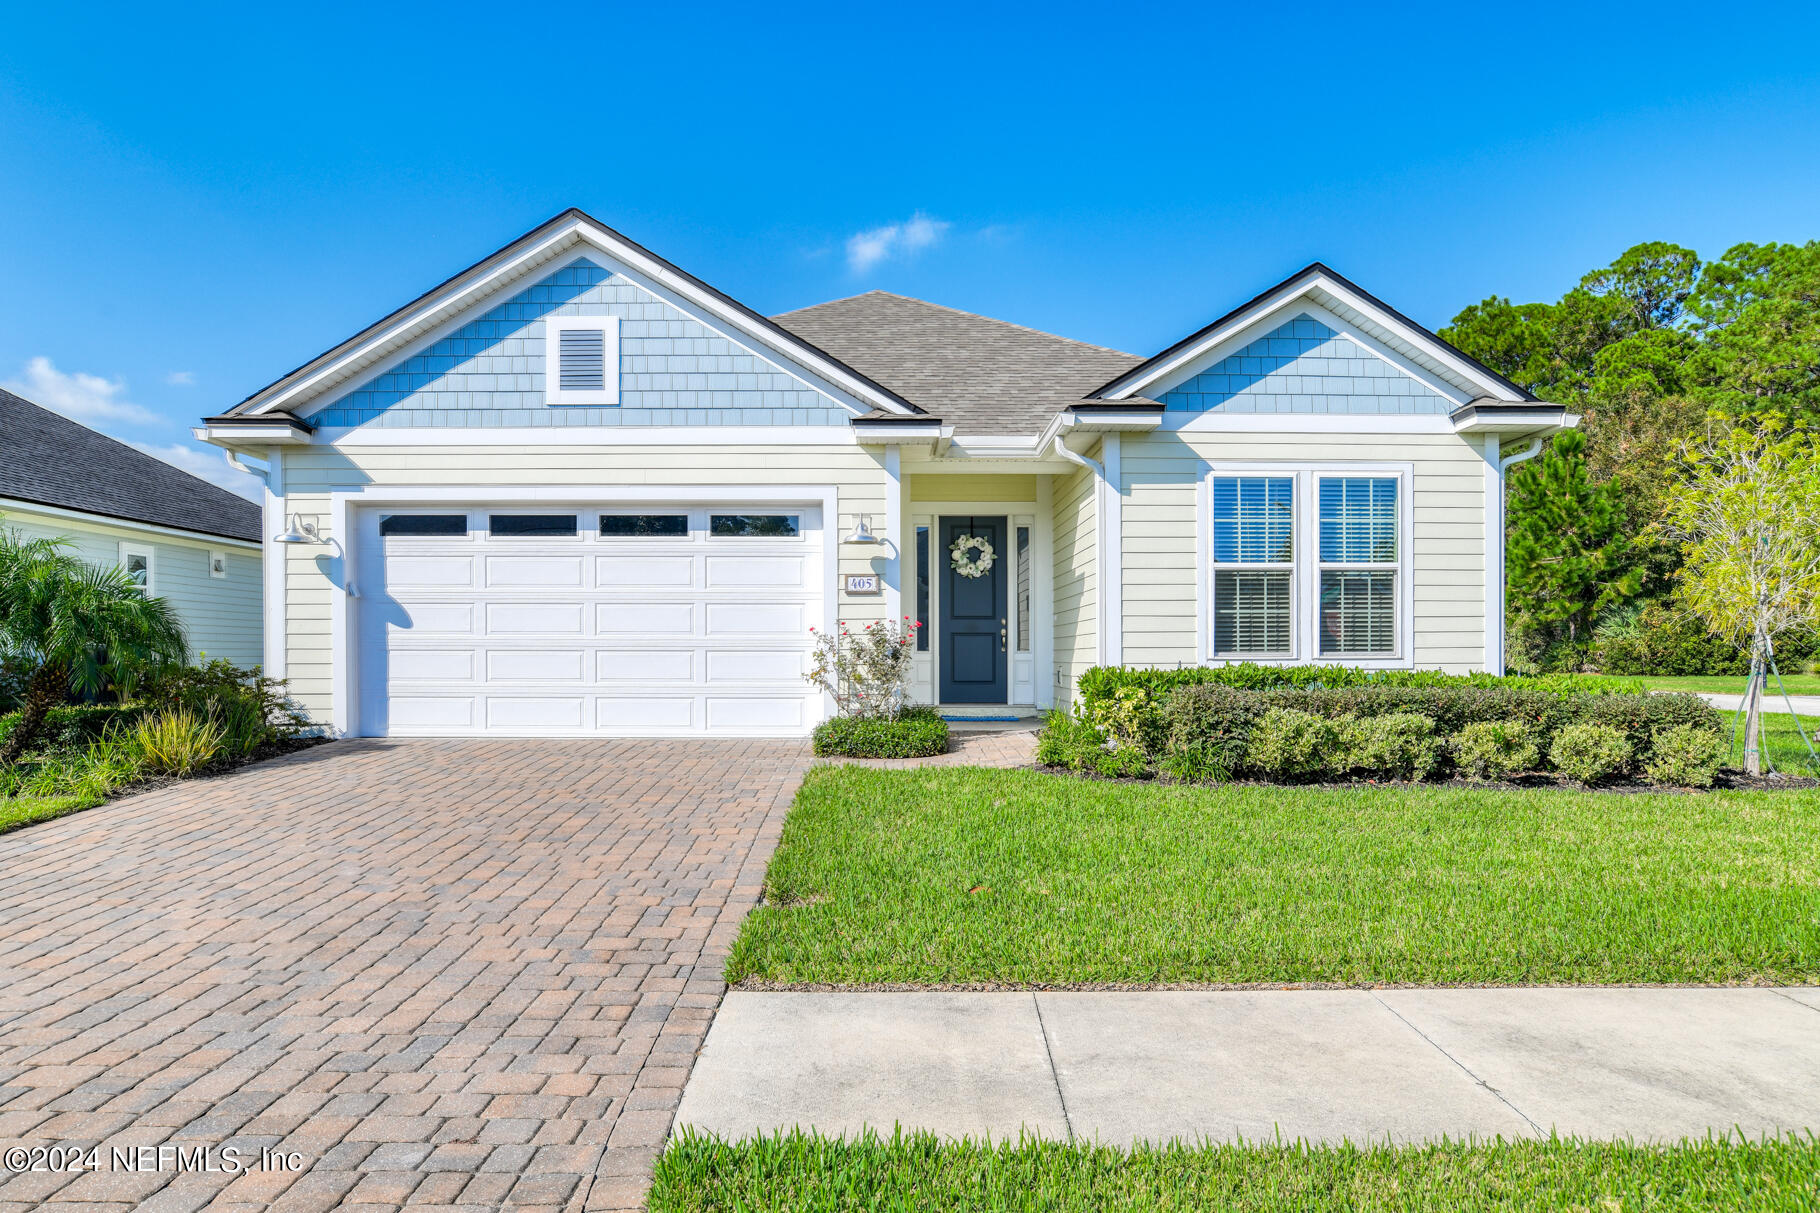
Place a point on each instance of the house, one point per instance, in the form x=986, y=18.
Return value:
x=575, y=490
x=185, y=540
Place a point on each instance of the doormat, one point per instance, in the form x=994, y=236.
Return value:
x=981, y=719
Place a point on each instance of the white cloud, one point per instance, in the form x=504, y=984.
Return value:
x=866, y=249
x=80, y=397
x=209, y=465
x=181, y=378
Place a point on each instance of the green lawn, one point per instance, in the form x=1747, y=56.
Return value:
x=964, y=875
x=24, y=810
x=808, y=1174
x=1723, y=684
x=1781, y=740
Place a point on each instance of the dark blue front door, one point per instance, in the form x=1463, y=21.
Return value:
x=972, y=616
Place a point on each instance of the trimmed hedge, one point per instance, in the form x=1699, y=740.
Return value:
x=71, y=727
x=1371, y=728
x=916, y=733
x=1103, y=682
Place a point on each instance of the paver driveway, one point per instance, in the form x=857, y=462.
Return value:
x=469, y=974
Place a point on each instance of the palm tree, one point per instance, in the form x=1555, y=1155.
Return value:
x=75, y=627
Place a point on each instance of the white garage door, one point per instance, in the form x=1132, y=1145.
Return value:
x=572, y=621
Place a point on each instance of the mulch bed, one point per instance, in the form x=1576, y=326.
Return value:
x=1736, y=781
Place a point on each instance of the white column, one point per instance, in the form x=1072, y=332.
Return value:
x=894, y=535
x=1112, y=555
x=1042, y=593
x=272, y=565
x=1494, y=558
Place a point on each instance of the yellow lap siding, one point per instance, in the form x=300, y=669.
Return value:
x=1161, y=473
x=311, y=475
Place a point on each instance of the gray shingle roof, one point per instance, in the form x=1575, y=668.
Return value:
x=980, y=375
x=51, y=460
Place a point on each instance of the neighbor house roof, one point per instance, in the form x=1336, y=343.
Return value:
x=51, y=460
x=979, y=375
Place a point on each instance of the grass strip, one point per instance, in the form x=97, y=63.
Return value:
x=811, y=1174
x=25, y=810
x=968, y=876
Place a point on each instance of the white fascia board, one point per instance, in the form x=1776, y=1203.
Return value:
x=1541, y=419
x=366, y=436
x=435, y=318
x=10, y=506
x=252, y=436
x=1240, y=330
x=1216, y=422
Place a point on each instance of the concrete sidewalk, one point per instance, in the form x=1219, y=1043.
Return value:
x=1403, y=1065
x=1805, y=705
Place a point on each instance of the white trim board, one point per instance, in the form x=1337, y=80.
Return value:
x=363, y=436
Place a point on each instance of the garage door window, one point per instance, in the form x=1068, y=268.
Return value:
x=758, y=526
x=424, y=524
x=639, y=526
x=531, y=524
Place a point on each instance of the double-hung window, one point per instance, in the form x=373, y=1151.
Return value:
x=1307, y=563
x=1253, y=566
x=1359, y=565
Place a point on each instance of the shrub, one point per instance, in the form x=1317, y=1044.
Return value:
x=913, y=733
x=1588, y=753
x=175, y=742
x=1686, y=757
x=867, y=674
x=1121, y=762
x=250, y=709
x=1401, y=744
x=1213, y=721
x=1196, y=764
x=1130, y=717
x=70, y=729
x=1294, y=744
x=1496, y=749
x=1069, y=741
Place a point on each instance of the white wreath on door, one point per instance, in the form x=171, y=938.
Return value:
x=972, y=555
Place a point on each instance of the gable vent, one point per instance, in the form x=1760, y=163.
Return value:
x=581, y=360
x=583, y=357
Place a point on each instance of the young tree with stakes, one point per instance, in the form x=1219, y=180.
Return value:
x=1747, y=507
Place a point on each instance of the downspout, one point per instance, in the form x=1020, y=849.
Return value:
x=233, y=461
x=1061, y=448
x=1529, y=452
x=1494, y=555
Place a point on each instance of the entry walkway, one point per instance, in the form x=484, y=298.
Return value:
x=1362, y=1065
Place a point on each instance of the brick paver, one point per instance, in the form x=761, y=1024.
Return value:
x=466, y=975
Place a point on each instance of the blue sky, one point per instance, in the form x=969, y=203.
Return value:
x=196, y=199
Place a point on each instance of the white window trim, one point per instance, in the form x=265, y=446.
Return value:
x=218, y=554
x=1305, y=589
x=553, y=328
x=129, y=548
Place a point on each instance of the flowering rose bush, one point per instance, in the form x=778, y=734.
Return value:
x=867, y=672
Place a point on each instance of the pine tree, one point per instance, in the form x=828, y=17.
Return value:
x=1567, y=558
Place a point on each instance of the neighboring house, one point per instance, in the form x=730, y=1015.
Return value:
x=182, y=538
x=575, y=490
